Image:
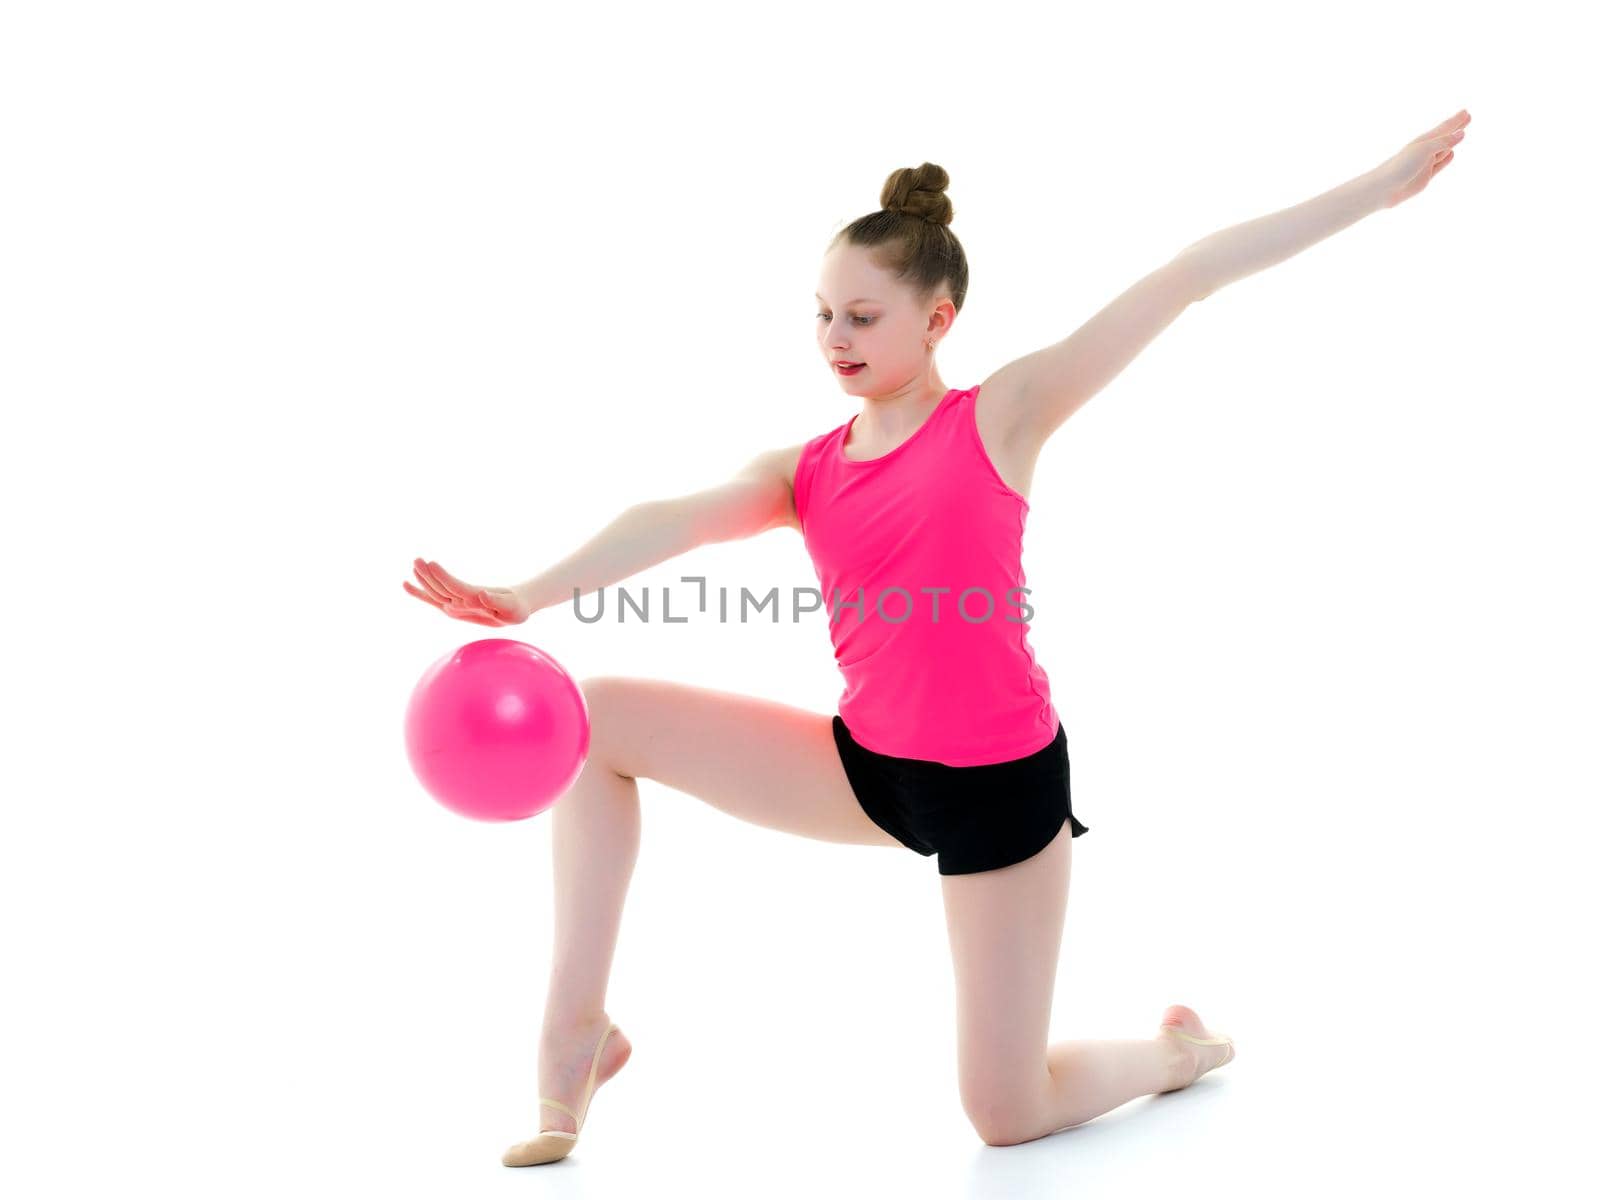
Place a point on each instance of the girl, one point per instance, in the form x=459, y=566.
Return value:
x=945, y=741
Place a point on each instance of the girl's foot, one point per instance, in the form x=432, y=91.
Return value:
x=1193, y=1061
x=566, y=1055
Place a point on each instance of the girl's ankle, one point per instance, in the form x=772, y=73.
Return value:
x=563, y=1027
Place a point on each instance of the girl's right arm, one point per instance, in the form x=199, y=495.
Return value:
x=758, y=497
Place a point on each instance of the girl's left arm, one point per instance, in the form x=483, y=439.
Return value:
x=1041, y=390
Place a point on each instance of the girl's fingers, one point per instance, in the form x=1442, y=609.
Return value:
x=450, y=581
x=1448, y=131
x=455, y=589
x=420, y=595
x=430, y=583
x=437, y=582
x=434, y=577
x=1441, y=143
x=452, y=596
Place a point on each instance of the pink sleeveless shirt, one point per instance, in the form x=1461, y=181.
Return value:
x=919, y=554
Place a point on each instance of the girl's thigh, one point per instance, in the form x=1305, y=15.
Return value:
x=756, y=759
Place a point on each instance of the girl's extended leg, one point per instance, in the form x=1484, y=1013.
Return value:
x=764, y=762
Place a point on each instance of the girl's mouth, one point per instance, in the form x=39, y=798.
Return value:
x=843, y=370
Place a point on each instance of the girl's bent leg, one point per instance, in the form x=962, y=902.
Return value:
x=1005, y=937
x=764, y=762
x=767, y=763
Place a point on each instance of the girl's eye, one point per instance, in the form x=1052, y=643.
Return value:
x=863, y=320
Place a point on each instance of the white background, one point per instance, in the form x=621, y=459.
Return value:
x=295, y=293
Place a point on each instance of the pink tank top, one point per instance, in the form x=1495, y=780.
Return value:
x=919, y=554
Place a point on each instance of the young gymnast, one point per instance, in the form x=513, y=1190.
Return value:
x=945, y=740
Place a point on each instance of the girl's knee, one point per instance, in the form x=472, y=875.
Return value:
x=1002, y=1118
x=1000, y=1133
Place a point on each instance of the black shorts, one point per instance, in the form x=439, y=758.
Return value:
x=975, y=818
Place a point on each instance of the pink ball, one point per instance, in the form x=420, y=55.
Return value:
x=497, y=730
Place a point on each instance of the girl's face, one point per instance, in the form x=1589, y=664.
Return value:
x=865, y=316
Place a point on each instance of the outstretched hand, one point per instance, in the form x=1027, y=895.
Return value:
x=1419, y=160
x=480, y=605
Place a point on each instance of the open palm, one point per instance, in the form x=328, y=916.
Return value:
x=464, y=601
x=1419, y=160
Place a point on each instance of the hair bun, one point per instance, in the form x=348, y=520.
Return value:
x=919, y=192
